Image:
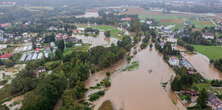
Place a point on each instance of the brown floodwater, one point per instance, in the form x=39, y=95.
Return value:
x=202, y=64
x=140, y=89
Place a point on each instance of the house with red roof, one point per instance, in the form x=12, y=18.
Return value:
x=126, y=19
x=6, y=56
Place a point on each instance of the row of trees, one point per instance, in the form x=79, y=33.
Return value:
x=217, y=64
x=185, y=45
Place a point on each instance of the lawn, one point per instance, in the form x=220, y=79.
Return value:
x=212, y=52
x=132, y=66
x=202, y=86
x=82, y=48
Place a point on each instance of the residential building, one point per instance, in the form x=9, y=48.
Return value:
x=174, y=61
x=208, y=35
x=186, y=64
x=214, y=102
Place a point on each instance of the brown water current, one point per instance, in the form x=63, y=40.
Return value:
x=202, y=64
x=141, y=89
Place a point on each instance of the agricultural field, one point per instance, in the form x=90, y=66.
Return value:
x=171, y=18
x=201, y=22
x=212, y=52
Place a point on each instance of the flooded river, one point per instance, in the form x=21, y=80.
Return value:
x=141, y=89
x=202, y=64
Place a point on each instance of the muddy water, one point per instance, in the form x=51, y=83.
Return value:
x=202, y=64
x=141, y=89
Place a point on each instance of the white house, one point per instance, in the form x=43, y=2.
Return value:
x=208, y=36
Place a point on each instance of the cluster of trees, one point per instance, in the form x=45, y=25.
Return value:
x=216, y=83
x=145, y=42
x=105, y=57
x=185, y=45
x=68, y=76
x=196, y=38
x=167, y=50
x=217, y=64
x=91, y=31
x=183, y=80
x=107, y=34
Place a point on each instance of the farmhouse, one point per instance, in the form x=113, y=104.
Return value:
x=79, y=30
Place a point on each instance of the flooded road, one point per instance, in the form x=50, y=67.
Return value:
x=141, y=89
x=202, y=64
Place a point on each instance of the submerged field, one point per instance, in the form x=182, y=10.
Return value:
x=212, y=52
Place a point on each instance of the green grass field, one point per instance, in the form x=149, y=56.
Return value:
x=83, y=48
x=212, y=52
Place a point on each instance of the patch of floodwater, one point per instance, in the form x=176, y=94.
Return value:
x=100, y=40
x=202, y=64
x=141, y=89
